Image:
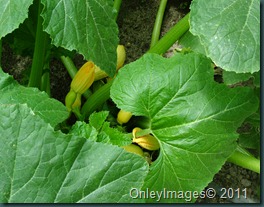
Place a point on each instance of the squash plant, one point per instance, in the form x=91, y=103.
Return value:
x=192, y=118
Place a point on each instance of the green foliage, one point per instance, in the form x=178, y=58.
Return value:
x=36, y=160
x=50, y=110
x=233, y=77
x=99, y=130
x=12, y=14
x=194, y=118
x=85, y=26
x=229, y=32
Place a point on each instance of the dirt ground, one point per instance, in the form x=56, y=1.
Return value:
x=135, y=23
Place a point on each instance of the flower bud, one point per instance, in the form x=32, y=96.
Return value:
x=123, y=116
x=77, y=103
x=147, y=141
x=99, y=74
x=134, y=149
x=70, y=99
x=121, y=56
x=83, y=78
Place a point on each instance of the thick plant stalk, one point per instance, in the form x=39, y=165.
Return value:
x=171, y=36
x=39, y=52
x=45, y=80
x=69, y=65
x=158, y=23
x=98, y=98
x=245, y=161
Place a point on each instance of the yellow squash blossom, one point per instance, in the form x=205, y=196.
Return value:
x=83, y=78
x=147, y=141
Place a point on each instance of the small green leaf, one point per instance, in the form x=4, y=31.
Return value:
x=86, y=26
x=99, y=130
x=194, y=118
x=229, y=31
x=40, y=165
x=84, y=130
x=113, y=136
x=97, y=119
x=51, y=110
x=12, y=13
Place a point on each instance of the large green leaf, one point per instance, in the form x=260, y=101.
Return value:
x=51, y=110
x=12, y=13
x=193, y=117
x=87, y=26
x=230, y=32
x=38, y=164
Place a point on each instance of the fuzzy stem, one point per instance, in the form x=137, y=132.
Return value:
x=117, y=5
x=158, y=23
x=245, y=161
x=171, y=36
x=39, y=52
x=97, y=99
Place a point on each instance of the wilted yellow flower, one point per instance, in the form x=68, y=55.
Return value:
x=123, y=116
x=83, y=78
x=147, y=141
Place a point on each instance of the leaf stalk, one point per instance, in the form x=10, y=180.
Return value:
x=117, y=5
x=158, y=23
x=41, y=44
x=171, y=36
x=244, y=160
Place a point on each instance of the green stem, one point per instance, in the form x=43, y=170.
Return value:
x=245, y=161
x=158, y=23
x=117, y=5
x=0, y=52
x=72, y=70
x=69, y=65
x=45, y=81
x=97, y=99
x=39, y=52
x=171, y=36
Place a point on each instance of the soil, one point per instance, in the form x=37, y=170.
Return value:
x=135, y=21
